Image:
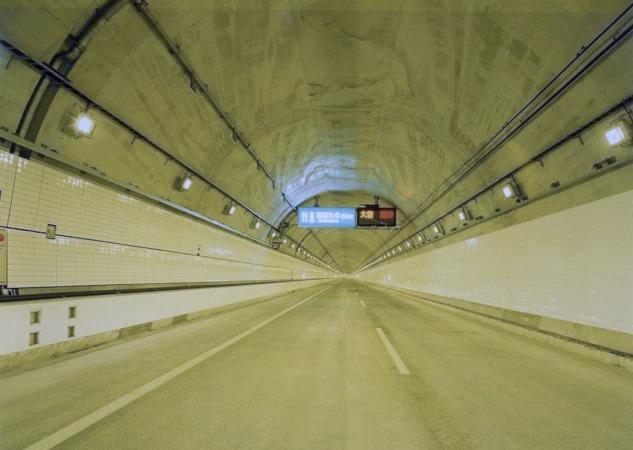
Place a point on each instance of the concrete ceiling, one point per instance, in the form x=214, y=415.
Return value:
x=349, y=98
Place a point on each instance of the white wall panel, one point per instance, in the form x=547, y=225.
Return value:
x=107, y=237
x=575, y=265
x=104, y=313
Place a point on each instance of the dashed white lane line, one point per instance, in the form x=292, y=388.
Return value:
x=402, y=368
x=94, y=417
x=363, y=303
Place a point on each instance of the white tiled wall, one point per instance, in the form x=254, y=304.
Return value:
x=107, y=237
x=69, y=261
x=7, y=175
x=575, y=265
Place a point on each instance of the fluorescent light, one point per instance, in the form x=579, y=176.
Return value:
x=615, y=135
x=419, y=238
x=84, y=125
x=185, y=183
x=230, y=209
x=436, y=229
x=508, y=191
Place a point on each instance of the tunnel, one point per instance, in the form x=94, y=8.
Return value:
x=316, y=224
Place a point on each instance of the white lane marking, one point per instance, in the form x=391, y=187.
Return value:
x=392, y=352
x=363, y=303
x=94, y=417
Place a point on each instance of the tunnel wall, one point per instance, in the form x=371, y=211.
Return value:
x=573, y=266
x=104, y=318
x=106, y=237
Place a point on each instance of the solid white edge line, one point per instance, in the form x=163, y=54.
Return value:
x=363, y=303
x=78, y=426
x=402, y=368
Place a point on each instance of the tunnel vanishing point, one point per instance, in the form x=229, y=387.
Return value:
x=316, y=224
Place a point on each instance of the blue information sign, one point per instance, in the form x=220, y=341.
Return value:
x=319, y=217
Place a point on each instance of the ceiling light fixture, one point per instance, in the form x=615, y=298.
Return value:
x=185, y=183
x=616, y=134
x=84, y=125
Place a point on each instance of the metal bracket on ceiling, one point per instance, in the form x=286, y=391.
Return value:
x=141, y=5
x=10, y=59
x=628, y=112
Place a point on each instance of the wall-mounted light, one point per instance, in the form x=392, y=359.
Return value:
x=437, y=228
x=230, y=209
x=464, y=214
x=508, y=191
x=617, y=134
x=511, y=189
x=255, y=224
x=185, y=183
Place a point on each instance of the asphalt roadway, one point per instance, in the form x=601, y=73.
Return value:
x=337, y=366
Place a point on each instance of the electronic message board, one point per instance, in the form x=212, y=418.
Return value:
x=371, y=216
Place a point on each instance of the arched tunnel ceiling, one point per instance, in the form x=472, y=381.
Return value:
x=369, y=96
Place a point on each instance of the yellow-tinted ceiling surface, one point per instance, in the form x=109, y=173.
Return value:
x=347, y=99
